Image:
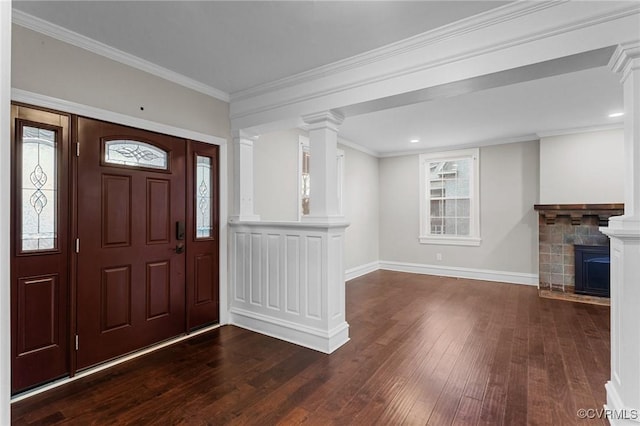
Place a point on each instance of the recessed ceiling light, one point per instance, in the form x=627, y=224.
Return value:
x=616, y=114
x=414, y=140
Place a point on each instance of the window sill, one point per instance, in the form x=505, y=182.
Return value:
x=450, y=241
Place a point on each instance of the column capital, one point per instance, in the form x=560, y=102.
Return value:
x=625, y=59
x=325, y=119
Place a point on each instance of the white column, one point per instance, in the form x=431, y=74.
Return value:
x=623, y=390
x=5, y=155
x=243, y=176
x=323, y=170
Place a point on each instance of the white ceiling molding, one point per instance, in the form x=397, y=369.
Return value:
x=516, y=139
x=62, y=105
x=589, y=129
x=358, y=147
x=59, y=33
x=481, y=20
x=367, y=76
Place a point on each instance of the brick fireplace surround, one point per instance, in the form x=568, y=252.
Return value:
x=560, y=227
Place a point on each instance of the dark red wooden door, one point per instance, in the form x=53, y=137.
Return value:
x=39, y=247
x=131, y=260
x=202, y=235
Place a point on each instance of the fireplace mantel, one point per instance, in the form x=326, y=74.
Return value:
x=577, y=211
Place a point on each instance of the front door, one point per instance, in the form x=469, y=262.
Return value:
x=131, y=240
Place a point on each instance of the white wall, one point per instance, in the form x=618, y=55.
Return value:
x=361, y=207
x=50, y=67
x=508, y=223
x=582, y=168
x=5, y=155
x=275, y=174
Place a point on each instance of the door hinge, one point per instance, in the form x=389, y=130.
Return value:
x=77, y=340
x=77, y=149
x=77, y=245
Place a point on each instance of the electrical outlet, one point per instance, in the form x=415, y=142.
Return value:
x=438, y=256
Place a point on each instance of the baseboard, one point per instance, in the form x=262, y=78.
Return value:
x=360, y=270
x=456, y=272
x=309, y=337
x=616, y=412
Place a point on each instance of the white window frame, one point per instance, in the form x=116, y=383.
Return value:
x=425, y=236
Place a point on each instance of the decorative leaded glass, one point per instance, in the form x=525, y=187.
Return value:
x=136, y=154
x=204, y=198
x=39, y=189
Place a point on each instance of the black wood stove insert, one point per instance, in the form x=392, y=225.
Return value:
x=592, y=265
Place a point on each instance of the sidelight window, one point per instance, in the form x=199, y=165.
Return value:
x=204, y=197
x=136, y=154
x=39, y=189
x=449, y=198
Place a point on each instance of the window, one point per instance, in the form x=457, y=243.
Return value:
x=449, y=198
x=135, y=154
x=304, y=181
x=204, y=198
x=39, y=189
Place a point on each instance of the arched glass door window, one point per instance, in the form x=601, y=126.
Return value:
x=135, y=154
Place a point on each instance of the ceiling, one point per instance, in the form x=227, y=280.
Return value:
x=236, y=45
x=232, y=46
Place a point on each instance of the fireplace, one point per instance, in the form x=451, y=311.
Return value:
x=592, y=270
x=562, y=227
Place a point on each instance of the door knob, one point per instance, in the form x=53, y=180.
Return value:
x=180, y=248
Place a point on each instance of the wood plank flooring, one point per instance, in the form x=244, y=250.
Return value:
x=423, y=350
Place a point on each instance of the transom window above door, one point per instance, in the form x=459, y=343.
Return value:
x=135, y=154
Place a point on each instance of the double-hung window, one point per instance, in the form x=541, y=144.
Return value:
x=449, y=198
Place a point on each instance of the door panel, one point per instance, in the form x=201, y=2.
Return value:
x=131, y=278
x=202, y=235
x=39, y=249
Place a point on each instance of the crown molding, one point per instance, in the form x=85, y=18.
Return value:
x=480, y=144
x=67, y=36
x=481, y=20
x=492, y=17
x=586, y=129
x=358, y=147
x=625, y=59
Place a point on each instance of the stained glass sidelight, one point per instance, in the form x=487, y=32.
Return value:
x=204, y=198
x=39, y=189
x=136, y=154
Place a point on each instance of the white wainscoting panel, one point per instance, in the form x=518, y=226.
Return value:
x=287, y=280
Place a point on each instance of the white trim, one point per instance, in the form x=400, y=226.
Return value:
x=587, y=129
x=361, y=270
x=350, y=144
x=477, y=144
x=615, y=407
x=70, y=107
x=424, y=233
x=455, y=29
x=224, y=236
x=459, y=272
x=106, y=365
x=504, y=14
x=5, y=190
x=308, y=337
x=443, y=240
x=65, y=35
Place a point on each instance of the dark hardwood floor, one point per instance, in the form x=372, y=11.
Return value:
x=423, y=350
